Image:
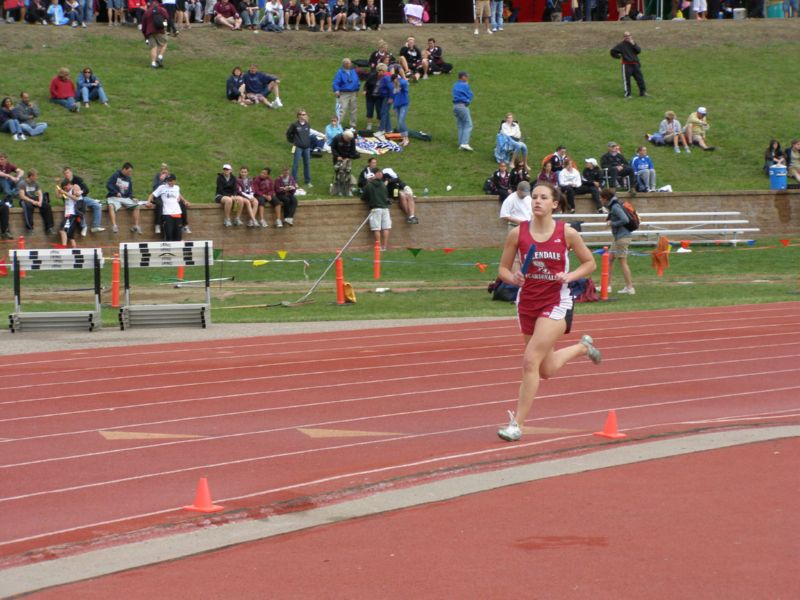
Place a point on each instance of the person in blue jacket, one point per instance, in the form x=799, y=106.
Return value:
x=462, y=97
x=644, y=170
x=235, y=87
x=346, y=86
x=400, y=102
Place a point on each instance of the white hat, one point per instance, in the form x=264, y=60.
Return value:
x=227, y=166
x=702, y=110
x=591, y=161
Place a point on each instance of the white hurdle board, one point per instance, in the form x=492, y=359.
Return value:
x=55, y=260
x=165, y=254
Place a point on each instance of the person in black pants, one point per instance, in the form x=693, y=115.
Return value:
x=616, y=166
x=32, y=197
x=628, y=53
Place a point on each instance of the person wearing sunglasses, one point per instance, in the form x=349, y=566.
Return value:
x=90, y=88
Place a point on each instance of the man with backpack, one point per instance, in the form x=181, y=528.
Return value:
x=623, y=222
x=154, y=27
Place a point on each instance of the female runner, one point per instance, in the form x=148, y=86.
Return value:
x=544, y=303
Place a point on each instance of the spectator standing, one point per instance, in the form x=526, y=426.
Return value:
x=62, y=90
x=627, y=51
x=644, y=170
x=372, y=94
x=114, y=12
x=89, y=203
x=376, y=196
x=299, y=135
x=90, y=88
x=119, y=188
x=697, y=127
x=136, y=9
x=400, y=102
x=171, y=6
x=259, y=85
x=386, y=92
x=462, y=97
x=615, y=165
x=32, y=197
x=482, y=12
x=346, y=85
x=172, y=216
x=496, y=13
x=154, y=25
x=617, y=219
x=86, y=9
x=285, y=188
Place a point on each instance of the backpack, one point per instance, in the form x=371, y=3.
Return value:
x=633, y=217
x=159, y=22
x=502, y=291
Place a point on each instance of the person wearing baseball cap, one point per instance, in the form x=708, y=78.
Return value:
x=462, y=97
x=697, y=128
x=226, y=196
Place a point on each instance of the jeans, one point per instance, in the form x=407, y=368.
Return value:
x=33, y=130
x=305, y=153
x=463, y=122
x=496, y=14
x=588, y=5
x=12, y=127
x=9, y=188
x=93, y=93
x=85, y=10
x=402, y=111
x=386, y=116
x=96, y=208
x=519, y=148
x=68, y=103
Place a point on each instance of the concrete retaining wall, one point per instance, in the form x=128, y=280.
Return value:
x=325, y=225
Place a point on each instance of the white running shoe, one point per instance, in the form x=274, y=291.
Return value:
x=512, y=432
x=237, y=222
x=591, y=352
x=466, y=147
x=278, y=223
x=264, y=223
x=84, y=230
x=227, y=223
x=157, y=229
x=136, y=229
x=628, y=290
x=289, y=221
x=477, y=32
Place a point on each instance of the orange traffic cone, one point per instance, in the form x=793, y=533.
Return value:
x=610, y=429
x=202, y=499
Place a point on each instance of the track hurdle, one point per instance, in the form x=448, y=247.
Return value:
x=55, y=260
x=165, y=254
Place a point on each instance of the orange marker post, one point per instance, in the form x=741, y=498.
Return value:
x=180, y=273
x=376, y=261
x=605, y=262
x=339, y=280
x=21, y=246
x=115, y=282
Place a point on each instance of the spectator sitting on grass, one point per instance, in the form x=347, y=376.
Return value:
x=642, y=166
x=332, y=129
x=248, y=10
x=367, y=173
x=773, y=156
x=412, y=61
x=436, y=59
x=669, y=132
x=235, y=88
x=696, y=128
x=259, y=85
x=55, y=14
x=72, y=11
x=381, y=55
x=273, y=16
x=8, y=122
x=90, y=88
x=226, y=15
x=62, y=90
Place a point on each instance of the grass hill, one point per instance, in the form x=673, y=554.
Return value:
x=557, y=78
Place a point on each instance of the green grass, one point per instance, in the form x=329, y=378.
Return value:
x=180, y=116
x=432, y=284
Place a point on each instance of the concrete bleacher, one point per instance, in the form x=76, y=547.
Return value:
x=456, y=222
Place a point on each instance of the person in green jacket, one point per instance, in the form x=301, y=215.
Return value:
x=376, y=196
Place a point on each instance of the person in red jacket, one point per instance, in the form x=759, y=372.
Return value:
x=154, y=27
x=63, y=92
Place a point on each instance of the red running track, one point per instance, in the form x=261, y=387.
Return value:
x=289, y=422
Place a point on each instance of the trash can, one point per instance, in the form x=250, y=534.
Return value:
x=777, y=177
x=774, y=9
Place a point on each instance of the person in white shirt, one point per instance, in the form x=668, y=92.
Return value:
x=510, y=128
x=71, y=194
x=171, y=218
x=569, y=180
x=273, y=16
x=517, y=208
